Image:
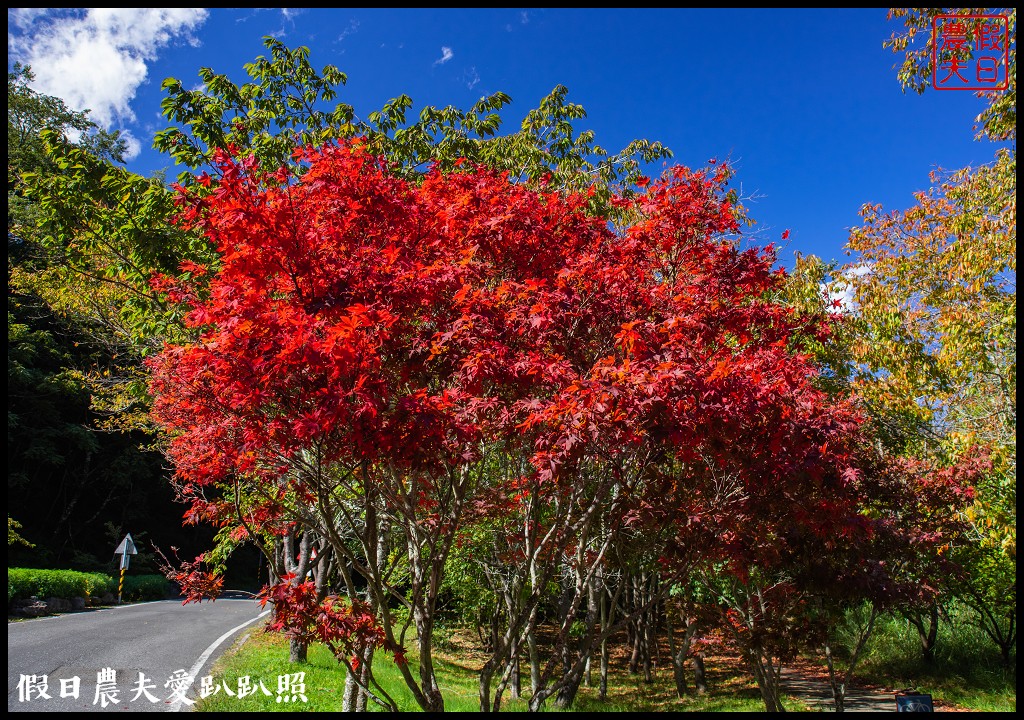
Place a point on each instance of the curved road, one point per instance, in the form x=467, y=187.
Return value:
x=157, y=640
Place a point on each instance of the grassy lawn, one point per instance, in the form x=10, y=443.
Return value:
x=264, y=656
x=965, y=675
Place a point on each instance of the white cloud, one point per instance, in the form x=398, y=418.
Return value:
x=24, y=17
x=252, y=14
x=134, y=147
x=472, y=77
x=95, y=59
x=353, y=26
x=524, y=19
x=446, y=55
x=843, y=290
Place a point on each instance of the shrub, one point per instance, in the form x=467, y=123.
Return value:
x=98, y=584
x=145, y=587
x=23, y=583
x=67, y=584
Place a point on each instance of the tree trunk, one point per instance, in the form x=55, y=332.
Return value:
x=581, y=647
x=767, y=681
x=297, y=651
x=570, y=687
x=699, y=675
x=603, y=686
x=348, y=697
x=593, y=617
x=1003, y=637
x=297, y=566
x=531, y=647
x=678, y=654
x=650, y=637
x=636, y=628
x=355, y=698
x=515, y=687
x=927, y=626
x=838, y=687
x=428, y=678
x=484, y=693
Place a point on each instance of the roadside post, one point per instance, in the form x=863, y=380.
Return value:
x=125, y=550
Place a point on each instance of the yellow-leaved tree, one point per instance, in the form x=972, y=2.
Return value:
x=934, y=323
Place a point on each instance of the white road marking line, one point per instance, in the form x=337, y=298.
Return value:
x=176, y=705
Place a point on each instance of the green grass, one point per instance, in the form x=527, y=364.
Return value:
x=966, y=673
x=264, y=656
x=966, y=670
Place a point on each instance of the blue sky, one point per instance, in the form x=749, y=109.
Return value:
x=805, y=102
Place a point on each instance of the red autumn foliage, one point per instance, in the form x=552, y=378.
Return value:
x=367, y=329
x=344, y=625
x=195, y=580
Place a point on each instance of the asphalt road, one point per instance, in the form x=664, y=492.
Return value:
x=161, y=640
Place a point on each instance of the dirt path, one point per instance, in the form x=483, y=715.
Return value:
x=810, y=684
x=816, y=693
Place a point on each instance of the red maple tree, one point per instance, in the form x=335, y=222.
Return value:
x=382, y=363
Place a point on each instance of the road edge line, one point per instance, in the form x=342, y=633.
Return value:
x=176, y=705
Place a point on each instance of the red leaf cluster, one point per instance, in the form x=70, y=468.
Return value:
x=345, y=626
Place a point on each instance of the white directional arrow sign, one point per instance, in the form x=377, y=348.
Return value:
x=126, y=548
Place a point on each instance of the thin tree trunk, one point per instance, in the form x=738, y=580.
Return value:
x=354, y=698
x=840, y=685
x=927, y=626
x=678, y=653
x=699, y=675
x=603, y=683
x=297, y=566
x=515, y=687
x=531, y=646
x=1003, y=638
x=636, y=628
x=767, y=681
x=650, y=629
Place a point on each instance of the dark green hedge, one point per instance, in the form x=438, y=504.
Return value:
x=25, y=582
x=145, y=587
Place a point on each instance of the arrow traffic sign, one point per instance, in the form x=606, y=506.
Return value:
x=127, y=546
x=125, y=550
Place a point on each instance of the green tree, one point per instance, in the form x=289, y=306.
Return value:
x=65, y=477
x=934, y=327
x=286, y=104
x=998, y=121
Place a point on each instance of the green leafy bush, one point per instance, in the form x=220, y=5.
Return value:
x=23, y=583
x=26, y=582
x=99, y=584
x=145, y=587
